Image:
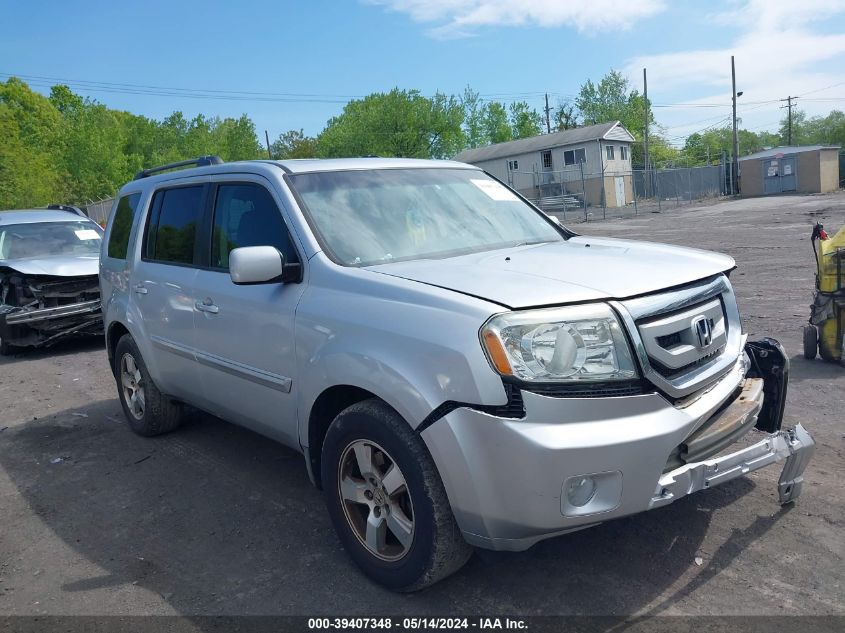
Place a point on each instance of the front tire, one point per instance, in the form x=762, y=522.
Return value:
x=387, y=501
x=148, y=411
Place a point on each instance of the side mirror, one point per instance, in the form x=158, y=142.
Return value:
x=256, y=265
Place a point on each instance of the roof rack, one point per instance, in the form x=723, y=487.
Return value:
x=202, y=161
x=68, y=208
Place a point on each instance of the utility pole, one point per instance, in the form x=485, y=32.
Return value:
x=548, y=120
x=267, y=138
x=647, y=179
x=735, y=160
x=788, y=106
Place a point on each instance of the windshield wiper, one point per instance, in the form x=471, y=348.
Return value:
x=532, y=243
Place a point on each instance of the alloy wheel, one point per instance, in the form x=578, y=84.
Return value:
x=132, y=386
x=376, y=500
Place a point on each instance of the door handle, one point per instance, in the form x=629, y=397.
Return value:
x=141, y=289
x=207, y=305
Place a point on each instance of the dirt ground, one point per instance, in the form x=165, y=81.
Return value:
x=214, y=519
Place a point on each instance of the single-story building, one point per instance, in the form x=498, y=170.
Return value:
x=800, y=168
x=592, y=162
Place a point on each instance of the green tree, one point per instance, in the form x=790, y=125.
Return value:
x=612, y=99
x=68, y=149
x=565, y=116
x=92, y=152
x=525, y=121
x=28, y=175
x=294, y=144
x=396, y=123
x=818, y=130
x=30, y=129
x=235, y=139
x=661, y=152
x=474, y=129
x=713, y=143
x=497, y=128
x=64, y=99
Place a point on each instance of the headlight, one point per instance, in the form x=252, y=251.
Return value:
x=578, y=343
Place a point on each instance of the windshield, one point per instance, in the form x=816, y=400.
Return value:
x=47, y=239
x=366, y=217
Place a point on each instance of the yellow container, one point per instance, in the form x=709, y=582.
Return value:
x=831, y=262
x=831, y=255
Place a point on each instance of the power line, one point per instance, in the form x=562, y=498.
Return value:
x=841, y=83
x=170, y=89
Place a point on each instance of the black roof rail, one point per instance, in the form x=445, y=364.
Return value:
x=202, y=161
x=68, y=208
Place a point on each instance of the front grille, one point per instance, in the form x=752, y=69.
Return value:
x=687, y=337
x=674, y=373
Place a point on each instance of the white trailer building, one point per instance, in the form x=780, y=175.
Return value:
x=592, y=162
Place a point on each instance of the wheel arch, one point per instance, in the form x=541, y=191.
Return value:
x=114, y=333
x=325, y=409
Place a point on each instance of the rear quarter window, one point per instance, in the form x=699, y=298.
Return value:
x=121, y=229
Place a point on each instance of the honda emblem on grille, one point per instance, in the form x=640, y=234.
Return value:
x=702, y=327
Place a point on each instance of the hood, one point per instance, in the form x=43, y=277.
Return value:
x=58, y=266
x=579, y=269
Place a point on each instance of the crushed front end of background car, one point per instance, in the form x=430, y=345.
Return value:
x=39, y=310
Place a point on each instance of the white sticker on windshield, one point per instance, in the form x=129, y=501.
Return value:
x=495, y=190
x=87, y=234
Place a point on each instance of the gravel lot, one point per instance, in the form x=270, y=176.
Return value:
x=214, y=519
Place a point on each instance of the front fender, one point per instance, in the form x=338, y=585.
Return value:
x=413, y=352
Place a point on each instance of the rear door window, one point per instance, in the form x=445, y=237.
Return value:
x=246, y=215
x=173, y=225
x=121, y=229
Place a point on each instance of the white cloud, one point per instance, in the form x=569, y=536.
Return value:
x=462, y=18
x=779, y=51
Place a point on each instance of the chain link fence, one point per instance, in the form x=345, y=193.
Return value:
x=99, y=211
x=579, y=194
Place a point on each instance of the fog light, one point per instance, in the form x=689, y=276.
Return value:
x=580, y=490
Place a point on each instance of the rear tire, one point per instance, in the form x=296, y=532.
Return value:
x=148, y=411
x=811, y=342
x=387, y=501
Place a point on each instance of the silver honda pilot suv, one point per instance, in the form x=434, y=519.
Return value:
x=457, y=368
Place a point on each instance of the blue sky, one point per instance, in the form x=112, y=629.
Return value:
x=334, y=50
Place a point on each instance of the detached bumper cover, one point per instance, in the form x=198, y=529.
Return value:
x=795, y=445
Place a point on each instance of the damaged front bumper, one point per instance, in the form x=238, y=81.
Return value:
x=513, y=482
x=794, y=445
x=43, y=327
x=39, y=310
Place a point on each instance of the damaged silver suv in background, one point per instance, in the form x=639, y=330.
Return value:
x=49, y=287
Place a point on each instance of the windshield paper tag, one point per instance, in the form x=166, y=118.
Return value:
x=495, y=191
x=87, y=234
